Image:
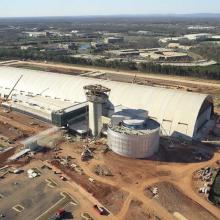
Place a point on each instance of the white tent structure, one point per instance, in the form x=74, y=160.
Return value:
x=179, y=112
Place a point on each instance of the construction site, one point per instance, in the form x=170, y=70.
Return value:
x=90, y=144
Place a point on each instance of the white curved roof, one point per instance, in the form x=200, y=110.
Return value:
x=165, y=105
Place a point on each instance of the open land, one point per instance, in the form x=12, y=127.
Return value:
x=123, y=189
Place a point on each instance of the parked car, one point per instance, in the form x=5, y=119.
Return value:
x=63, y=178
x=59, y=214
x=99, y=209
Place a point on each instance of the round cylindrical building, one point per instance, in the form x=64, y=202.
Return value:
x=134, y=138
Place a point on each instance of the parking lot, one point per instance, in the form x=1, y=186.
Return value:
x=24, y=198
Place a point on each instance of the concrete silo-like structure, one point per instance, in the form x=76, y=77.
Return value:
x=133, y=136
x=97, y=97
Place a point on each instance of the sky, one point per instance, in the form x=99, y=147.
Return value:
x=35, y=8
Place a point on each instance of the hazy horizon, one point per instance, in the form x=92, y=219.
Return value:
x=202, y=15
x=75, y=8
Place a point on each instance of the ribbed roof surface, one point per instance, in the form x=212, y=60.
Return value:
x=179, y=107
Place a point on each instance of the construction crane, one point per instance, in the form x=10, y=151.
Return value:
x=13, y=88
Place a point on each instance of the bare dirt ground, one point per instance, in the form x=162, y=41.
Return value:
x=14, y=127
x=123, y=192
x=11, y=132
x=5, y=155
x=137, y=211
x=22, y=122
x=174, y=200
x=108, y=195
x=133, y=176
x=50, y=69
x=130, y=178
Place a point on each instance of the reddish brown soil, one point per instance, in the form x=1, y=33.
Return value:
x=110, y=196
x=171, y=198
x=25, y=121
x=4, y=156
x=12, y=133
x=51, y=69
x=136, y=211
x=132, y=171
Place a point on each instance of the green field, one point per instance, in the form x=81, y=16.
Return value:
x=215, y=190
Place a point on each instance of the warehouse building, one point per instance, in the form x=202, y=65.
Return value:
x=179, y=113
x=166, y=55
x=124, y=53
x=113, y=40
x=36, y=34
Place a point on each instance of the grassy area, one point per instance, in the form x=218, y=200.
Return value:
x=217, y=186
x=217, y=98
x=215, y=191
x=66, y=65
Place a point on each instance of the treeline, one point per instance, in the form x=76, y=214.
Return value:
x=208, y=51
x=204, y=72
x=33, y=54
x=208, y=72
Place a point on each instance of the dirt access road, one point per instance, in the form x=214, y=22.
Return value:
x=178, y=80
x=146, y=172
x=133, y=176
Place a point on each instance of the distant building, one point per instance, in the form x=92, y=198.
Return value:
x=124, y=53
x=109, y=60
x=98, y=45
x=201, y=36
x=178, y=46
x=26, y=47
x=86, y=35
x=113, y=40
x=216, y=37
x=165, y=55
x=56, y=33
x=74, y=31
x=37, y=34
x=199, y=27
x=144, y=32
x=110, y=34
x=88, y=57
x=189, y=37
x=55, y=48
x=67, y=46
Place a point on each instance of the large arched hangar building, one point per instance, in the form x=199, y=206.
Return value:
x=180, y=113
